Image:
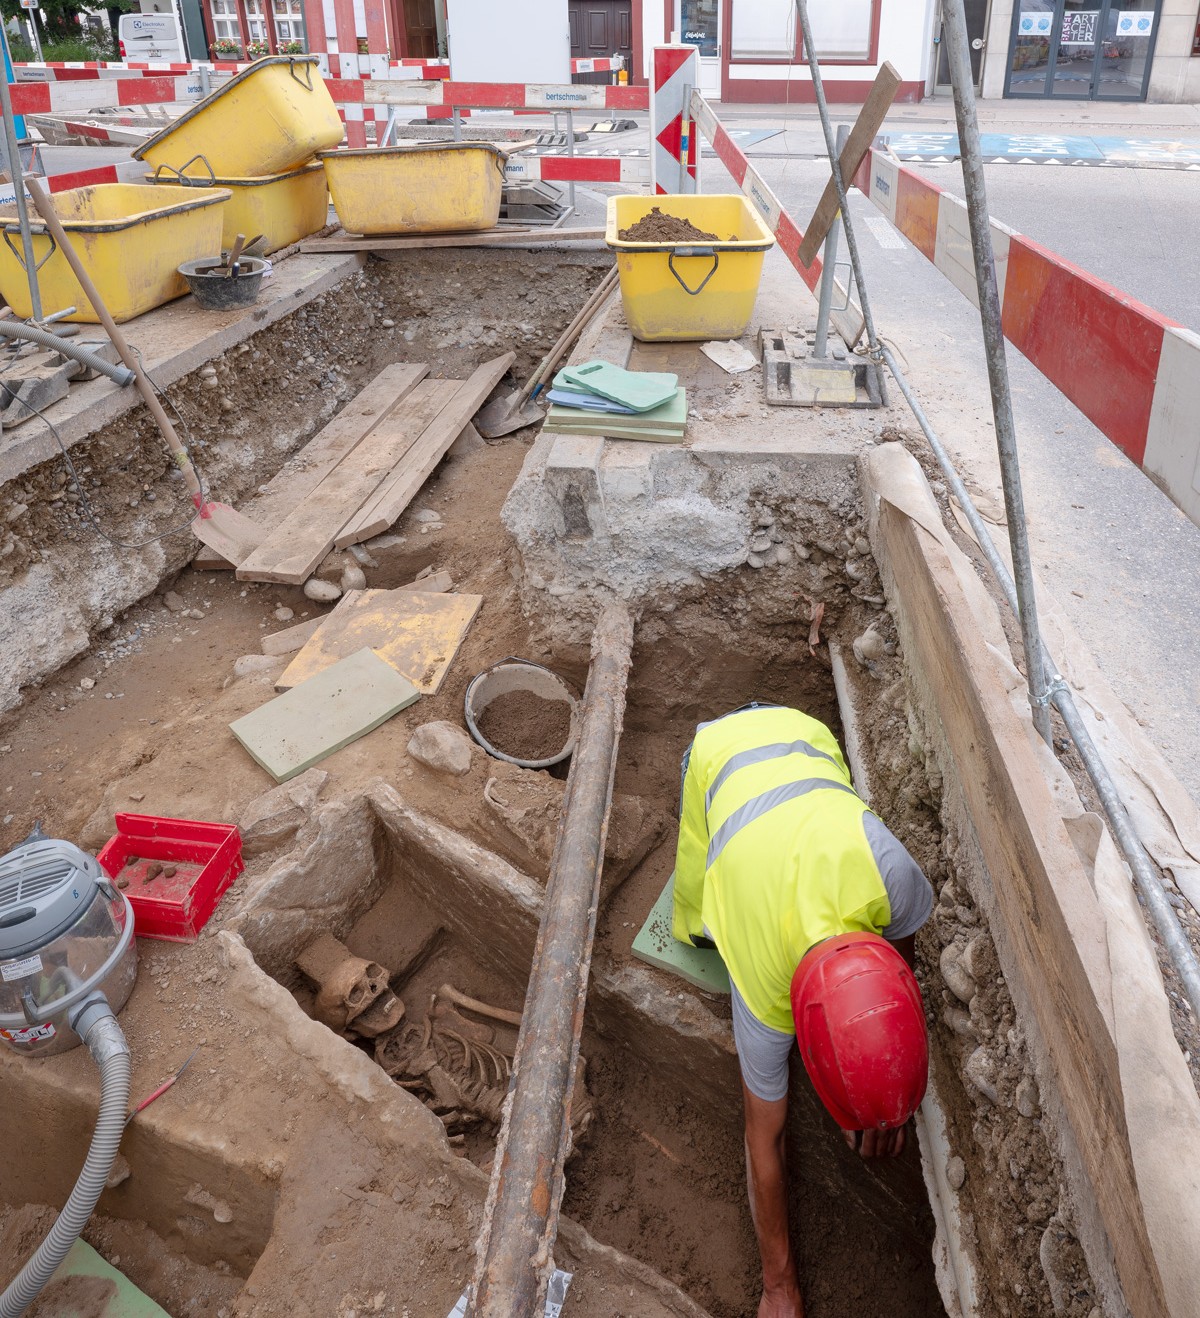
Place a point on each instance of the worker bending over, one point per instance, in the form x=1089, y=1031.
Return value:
x=790, y=876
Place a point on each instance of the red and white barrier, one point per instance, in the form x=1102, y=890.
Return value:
x=675, y=75
x=613, y=65
x=1134, y=373
x=492, y=95
x=633, y=171
x=98, y=94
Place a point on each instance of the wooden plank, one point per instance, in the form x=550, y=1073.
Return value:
x=300, y=728
x=306, y=535
x=291, y=639
x=305, y=470
x=1044, y=903
x=396, y=493
x=484, y=238
x=866, y=126
x=418, y=633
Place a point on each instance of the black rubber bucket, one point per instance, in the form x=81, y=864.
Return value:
x=217, y=290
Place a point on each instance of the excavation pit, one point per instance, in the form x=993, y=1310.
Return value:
x=770, y=559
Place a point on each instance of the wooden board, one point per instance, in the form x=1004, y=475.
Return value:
x=344, y=702
x=291, y=639
x=866, y=126
x=1046, y=911
x=292, y=551
x=399, y=490
x=418, y=633
x=305, y=470
x=486, y=238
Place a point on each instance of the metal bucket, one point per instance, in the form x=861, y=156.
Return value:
x=518, y=675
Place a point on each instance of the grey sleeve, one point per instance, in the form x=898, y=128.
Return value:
x=762, y=1052
x=910, y=894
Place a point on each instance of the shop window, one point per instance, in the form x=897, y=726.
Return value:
x=764, y=29
x=225, y=21
x=843, y=31
x=289, y=24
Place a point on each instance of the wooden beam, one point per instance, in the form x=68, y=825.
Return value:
x=866, y=126
x=484, y=238
x=1045, y=906
x=305, y=470
x=399, y=489
x=297, y=545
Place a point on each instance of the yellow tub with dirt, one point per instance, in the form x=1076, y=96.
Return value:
x=282, y=207
x=131, y=240
x=693, y=288
x=272, y=117
x=440, y=187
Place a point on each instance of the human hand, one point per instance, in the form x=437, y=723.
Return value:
x=876, y=1143
x=781, y=1301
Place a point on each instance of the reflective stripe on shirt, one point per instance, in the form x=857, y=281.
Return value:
x=756, y=755
x=758, y=806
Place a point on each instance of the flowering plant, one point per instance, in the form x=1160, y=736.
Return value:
x=226, y=46
x=291, y=47
x=257, y=49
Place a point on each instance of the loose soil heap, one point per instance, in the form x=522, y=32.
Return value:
x=659, y=228
x=523, y=725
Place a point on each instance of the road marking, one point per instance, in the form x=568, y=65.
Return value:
x=883, y=233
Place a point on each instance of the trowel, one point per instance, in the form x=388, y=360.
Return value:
x=217, y=525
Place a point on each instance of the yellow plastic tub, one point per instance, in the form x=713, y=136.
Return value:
x=674, y=291
x=130, y=239
x=441, y=187
x=283, y=207
x=270, y=118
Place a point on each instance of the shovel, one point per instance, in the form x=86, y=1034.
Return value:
x=517, y=410
x=217, y=525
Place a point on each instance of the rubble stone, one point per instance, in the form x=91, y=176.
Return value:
x=442, y=746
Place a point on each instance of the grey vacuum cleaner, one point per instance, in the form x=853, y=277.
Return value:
x=68, y=961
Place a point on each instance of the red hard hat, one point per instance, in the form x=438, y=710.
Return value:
x=860, y=1024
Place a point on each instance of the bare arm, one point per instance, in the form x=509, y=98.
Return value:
x=766, y=1179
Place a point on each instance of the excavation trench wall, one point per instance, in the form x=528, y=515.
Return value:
x=1054, y=1174
x=240, y=414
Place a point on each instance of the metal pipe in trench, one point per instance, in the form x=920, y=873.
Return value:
x=515, y=1248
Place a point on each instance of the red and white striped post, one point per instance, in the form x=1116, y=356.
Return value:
x=674, y=151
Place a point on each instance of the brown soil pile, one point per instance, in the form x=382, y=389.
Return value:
x=526, y=726
x=659, y=228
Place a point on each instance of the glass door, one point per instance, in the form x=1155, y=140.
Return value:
x=700, y=26
x=1082, y=49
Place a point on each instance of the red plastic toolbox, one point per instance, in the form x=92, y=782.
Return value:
x=206, y=859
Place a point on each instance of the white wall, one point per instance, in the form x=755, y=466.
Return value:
x=654, y=32
x=509, y=40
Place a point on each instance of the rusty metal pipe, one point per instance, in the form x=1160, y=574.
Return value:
x=516, y=1243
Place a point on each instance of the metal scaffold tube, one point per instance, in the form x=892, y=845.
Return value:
x=516, y=1243
x=1017, y=585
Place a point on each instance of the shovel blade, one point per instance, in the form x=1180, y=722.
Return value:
x=501, y=417
x=227, y=532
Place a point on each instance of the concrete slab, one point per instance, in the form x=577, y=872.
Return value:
x=656, y=945
x=335, y=707
x=174, y=341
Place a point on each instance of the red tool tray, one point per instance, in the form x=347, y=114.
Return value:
x=206, y=857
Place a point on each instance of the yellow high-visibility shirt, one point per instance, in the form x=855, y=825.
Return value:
x=773, y=856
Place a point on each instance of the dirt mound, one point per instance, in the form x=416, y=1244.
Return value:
x=659, y=228
x=525, y=726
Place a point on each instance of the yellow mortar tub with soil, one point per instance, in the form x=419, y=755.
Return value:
x=695, y=289
x=271, y=117
x=443, y=187
x=282, y=207
x=131, y=240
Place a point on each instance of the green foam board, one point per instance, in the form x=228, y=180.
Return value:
x=324, y=713
x=86, y=1286
x=644, y=391
x=664, y=423
x=657, y=946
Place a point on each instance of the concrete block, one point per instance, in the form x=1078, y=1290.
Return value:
x=573, y=481
x=627, y=472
